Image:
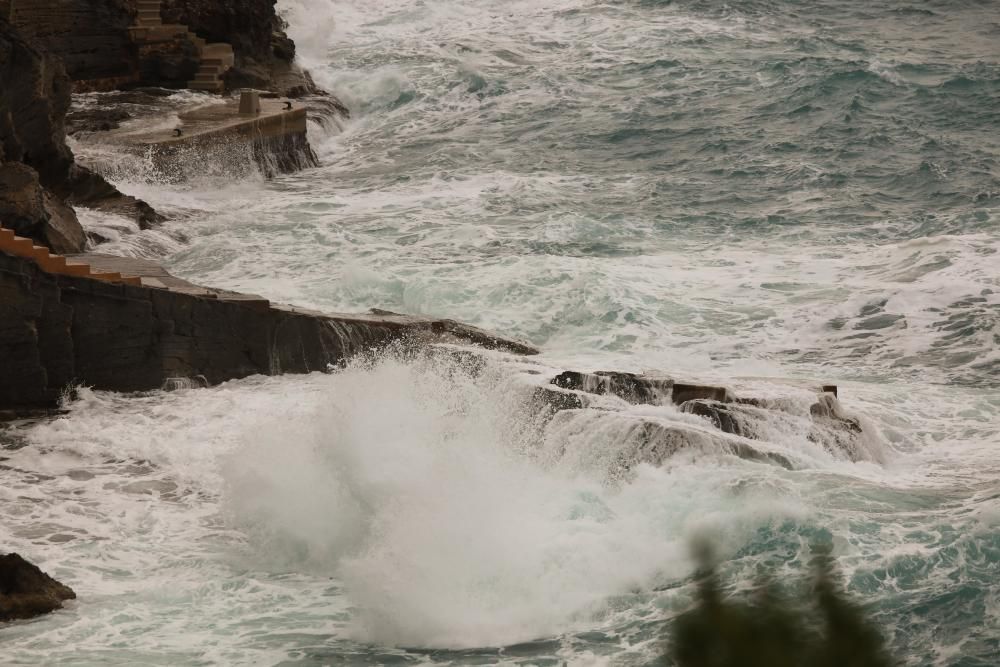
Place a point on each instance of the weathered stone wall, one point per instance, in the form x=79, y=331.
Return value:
x=89, y=36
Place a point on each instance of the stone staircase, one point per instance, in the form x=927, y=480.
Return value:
x=216, y=58
x=15, y=245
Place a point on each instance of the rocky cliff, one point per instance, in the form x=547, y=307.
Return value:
x=38, y=174
x=90, y=37
x=265, y=56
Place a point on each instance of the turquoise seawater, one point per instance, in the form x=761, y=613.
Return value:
x=725, y=191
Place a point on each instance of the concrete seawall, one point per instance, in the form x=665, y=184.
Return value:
x=58, y=331
x=220, y=136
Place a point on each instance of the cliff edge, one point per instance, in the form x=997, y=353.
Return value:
x=39, y=177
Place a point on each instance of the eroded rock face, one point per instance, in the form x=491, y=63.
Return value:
x=636, y=389
x=34, y=98
x=90, y=37
x=265, y=56
x=747, y=417
x=26, y=591
x=33, y=212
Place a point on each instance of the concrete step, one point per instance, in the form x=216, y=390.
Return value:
x=210, y=69
x=206, y=78
x=17, y=246
x=39, y=252
x=21, y=247
x=74, y=269
x=106, y=276
x=52, y=263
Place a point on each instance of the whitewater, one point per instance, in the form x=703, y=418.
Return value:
x=750, y=193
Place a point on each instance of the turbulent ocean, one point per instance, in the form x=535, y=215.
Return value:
x=750, y=193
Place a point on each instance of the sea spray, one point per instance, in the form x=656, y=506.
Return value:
x=710, y=190
x=447, y=524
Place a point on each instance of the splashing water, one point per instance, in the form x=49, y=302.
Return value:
x=720, y=192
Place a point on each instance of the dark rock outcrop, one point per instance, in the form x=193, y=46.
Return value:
x=656, y=442
x=636, y=389
x=57, y=331
x=722, y=416
x=35, y=213
x=90, y=37
x=34, y=98
x=265, y=56
x=826, y=422
x=26, y=591
x=171, y=60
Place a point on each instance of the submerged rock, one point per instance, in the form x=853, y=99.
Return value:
x=635, y=389
x=723, y=417
x=26, y=591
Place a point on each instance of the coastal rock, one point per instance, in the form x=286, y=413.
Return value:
x=33, y=212
x=171, y=61
x=684, y=392
x=630, y=387
x=639, y=389
x=26, y=591
x=655, y=442
x=90, y=38
x=723, y=417
x=34, y=99
x=265, y=56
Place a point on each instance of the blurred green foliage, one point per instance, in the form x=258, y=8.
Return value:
x=772, y=630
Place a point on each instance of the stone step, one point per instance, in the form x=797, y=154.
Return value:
x=22, y=247
x=206, y=78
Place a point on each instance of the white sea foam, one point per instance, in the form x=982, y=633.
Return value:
x=497, y=170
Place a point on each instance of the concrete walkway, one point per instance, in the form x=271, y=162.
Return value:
x=223, y=121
